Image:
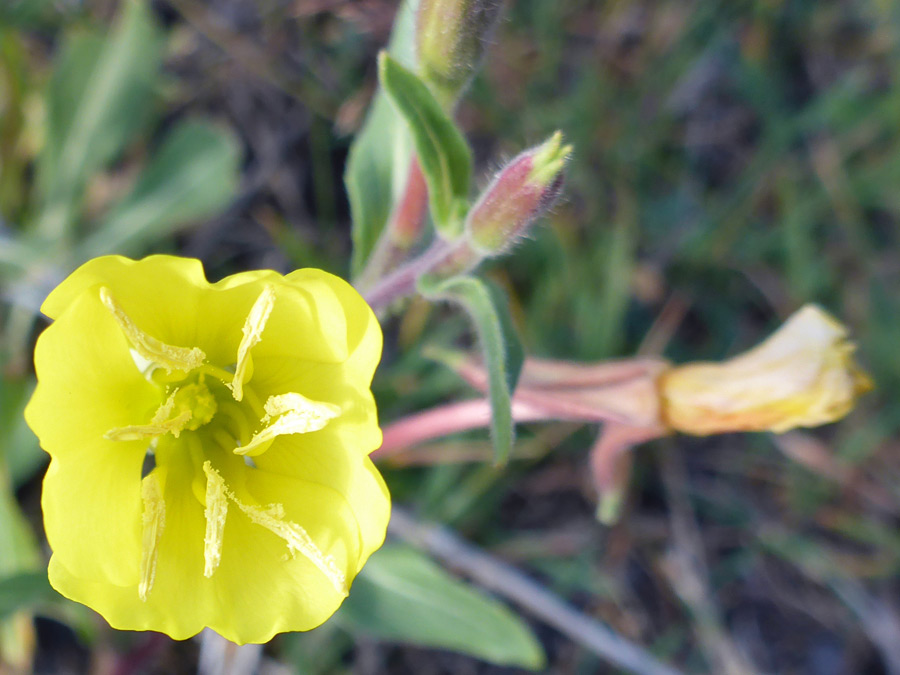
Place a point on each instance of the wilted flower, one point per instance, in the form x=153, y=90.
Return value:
x=209, y=445
x=802, y=376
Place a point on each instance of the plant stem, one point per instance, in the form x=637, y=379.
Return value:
x=629, y=405
x=402, y=282
x=444, y=420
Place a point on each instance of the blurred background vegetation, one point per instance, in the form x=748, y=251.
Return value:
x=733, y=160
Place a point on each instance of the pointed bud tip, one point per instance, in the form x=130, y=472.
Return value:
x=548, y=160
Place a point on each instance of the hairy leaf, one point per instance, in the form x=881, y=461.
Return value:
x=442, y=150
x=379, y=157
x=502, y=350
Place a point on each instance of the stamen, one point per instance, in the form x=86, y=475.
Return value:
x=166, y=356
x=215, y=512
x=270, y=517
x=297, y=540
x=220, y=374
x=153, y=521
x=255, y=404
x=298, y=415
x=159, y=425
x=253, y=328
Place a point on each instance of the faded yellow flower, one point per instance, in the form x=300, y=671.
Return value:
x=803, y=375
x=209, y=445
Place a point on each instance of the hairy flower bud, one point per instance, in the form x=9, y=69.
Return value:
x=522, y=191
x=802, y=376
x=451, y=36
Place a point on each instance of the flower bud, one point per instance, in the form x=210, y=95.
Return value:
x=802, y=376
x=450, y=37
x=522, y=191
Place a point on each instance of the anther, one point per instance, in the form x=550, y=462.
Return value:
x=252, y=330
x=153, y=520
x=148, y=347
x=295, y=414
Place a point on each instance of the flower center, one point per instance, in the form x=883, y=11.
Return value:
x=198, y=400
x=243, y=426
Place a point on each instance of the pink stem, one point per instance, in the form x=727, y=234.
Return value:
x=444, y=420
x=402, y=281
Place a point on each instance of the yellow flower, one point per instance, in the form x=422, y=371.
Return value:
x=802, y=376
x=209, y=445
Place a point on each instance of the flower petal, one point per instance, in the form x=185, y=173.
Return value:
x=87, y=385
x=307, y=319
x=363, y=333
x=258, y=589
x=802, y=375
x=320, y=458
x=170, y=299
x=152, y=277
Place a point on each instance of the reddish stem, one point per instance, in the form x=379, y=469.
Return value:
x=444, y=420
x=402, y=281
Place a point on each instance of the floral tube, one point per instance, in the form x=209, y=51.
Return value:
x=209, y=445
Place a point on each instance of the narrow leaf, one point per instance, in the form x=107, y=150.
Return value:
x=380, y=154
x=98, y=98
x=402, y=595
x=193, y=175
x=440, y=147
x=502, y=350
x=515, y=354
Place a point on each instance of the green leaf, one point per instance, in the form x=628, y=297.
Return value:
x=503, y=355
x=379, y=157
x=402, y=595
x=442, y=150
x=193, y=175
x=99, y=96
x=515, y=354
x=24, y=590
